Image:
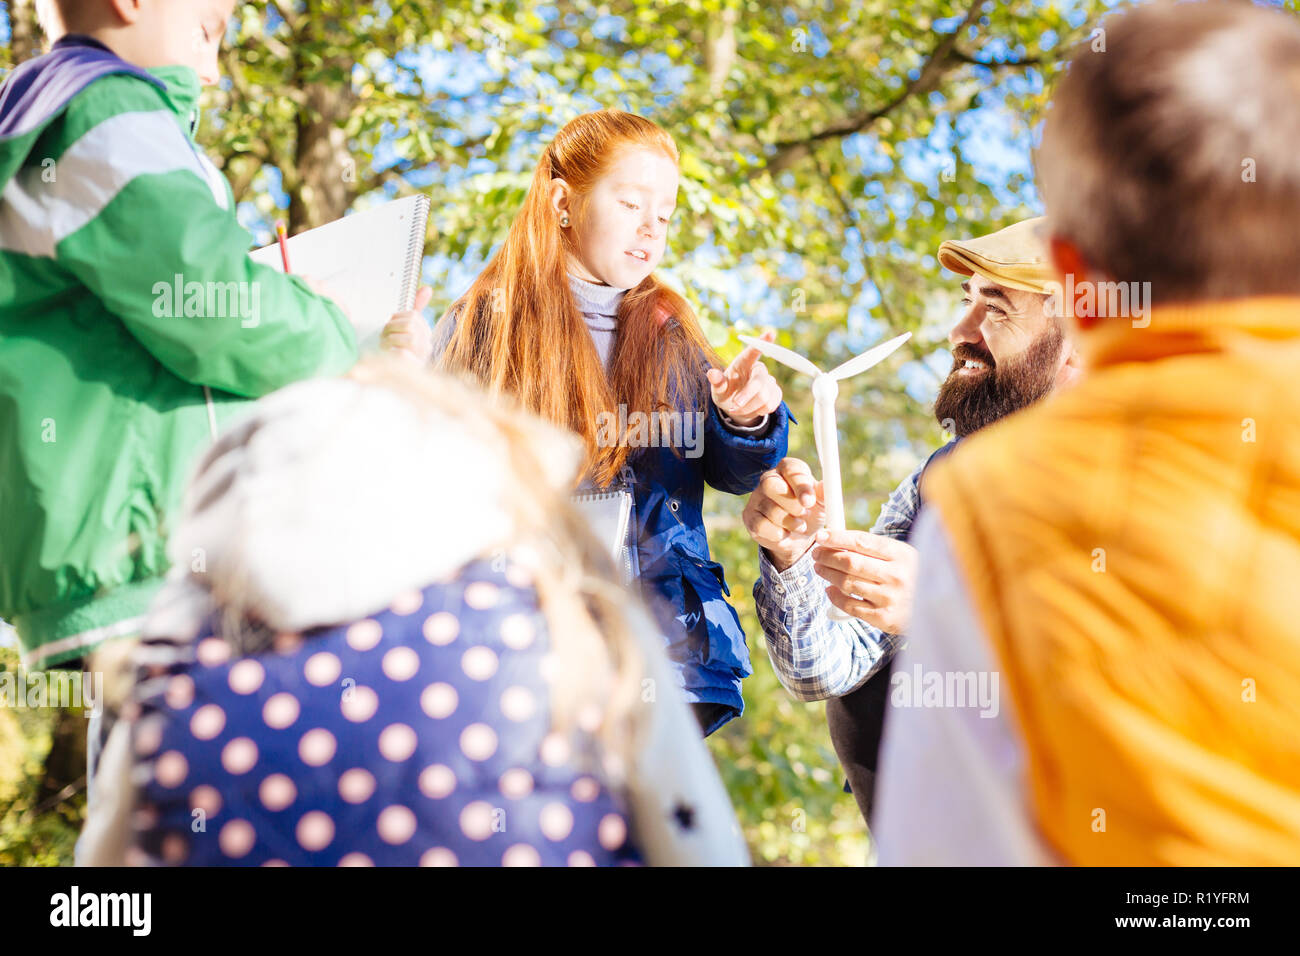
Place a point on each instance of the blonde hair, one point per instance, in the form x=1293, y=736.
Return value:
x=597, y=667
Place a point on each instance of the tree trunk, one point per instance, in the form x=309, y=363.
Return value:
x=25, y=39
x=720, y=51
x=326, y=180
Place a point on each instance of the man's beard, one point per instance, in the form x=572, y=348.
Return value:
x=968, y=402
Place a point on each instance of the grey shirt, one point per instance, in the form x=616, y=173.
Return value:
x=599, y=307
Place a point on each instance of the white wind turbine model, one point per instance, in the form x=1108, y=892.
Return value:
x=825, y=388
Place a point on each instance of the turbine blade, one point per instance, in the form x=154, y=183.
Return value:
x=868, y=358
x=783, y=355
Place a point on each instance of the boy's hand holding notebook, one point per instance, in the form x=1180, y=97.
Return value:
x=369, y=263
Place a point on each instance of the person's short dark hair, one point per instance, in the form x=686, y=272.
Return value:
x=1171, y=151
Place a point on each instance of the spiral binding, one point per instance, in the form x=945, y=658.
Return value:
x=415, y=253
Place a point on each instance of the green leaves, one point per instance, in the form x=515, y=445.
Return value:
x=820, y=168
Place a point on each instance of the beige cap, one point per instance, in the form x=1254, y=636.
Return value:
x=1015, y=257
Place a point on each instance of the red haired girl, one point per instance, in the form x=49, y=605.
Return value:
x=570, y=319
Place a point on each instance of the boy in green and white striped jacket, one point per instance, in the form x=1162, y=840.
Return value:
x=132, y=322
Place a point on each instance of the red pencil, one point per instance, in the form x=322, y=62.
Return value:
x=280, y=236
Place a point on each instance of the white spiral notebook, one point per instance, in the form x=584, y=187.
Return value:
x=372, y=261
x=611, y=515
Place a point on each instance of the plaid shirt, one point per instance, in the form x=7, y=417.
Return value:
x=814, y=656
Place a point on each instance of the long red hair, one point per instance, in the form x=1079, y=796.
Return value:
x=518, y=329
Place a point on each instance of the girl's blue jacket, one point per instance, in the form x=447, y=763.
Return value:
x=678, y=578
x=708, y=651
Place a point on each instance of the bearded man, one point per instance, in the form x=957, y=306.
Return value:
x=1009, y=349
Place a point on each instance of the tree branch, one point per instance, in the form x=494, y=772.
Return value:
x=963, y=57
x=853, y=221
x=932, y=71
x=397, y=171
x=290, y=18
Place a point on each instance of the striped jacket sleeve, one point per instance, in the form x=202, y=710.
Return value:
x=142, y=218
x=814, y=656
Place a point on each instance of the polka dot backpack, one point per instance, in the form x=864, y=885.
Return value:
x=418, y=736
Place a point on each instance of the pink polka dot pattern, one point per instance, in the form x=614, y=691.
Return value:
x=359, y=704
x=175, y=848
x=479, y=663
x=208, y=721
x=439, y=700
x=396, y=825
x=206, y=798
x=180, y=692
x=556, y=821
x=441, y=628
x=277, y=792
x=322, y=669
x=555, y=750
x=515, y=784
x=281, y=710
x=171, y=769
x=408, y=602
x=612, y=832
x=476, y=820
x=316, y=747
x=364, y=635
x=401, y=663
x=517, y=575
x=246, y=676
x=481, y=595
x=239, y=755
x=397, y=742
x=438, y=856
x=521, y=854
x=237, y=838
x=437, y=781
x=517, y=632
x=420, y=734
x=212, y=651
x=585, y=789
x=315, y=831
x=478, y=741
x=356, y=785
x=518, y=704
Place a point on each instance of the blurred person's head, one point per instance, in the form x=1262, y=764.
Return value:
x=335, y=495
x=147, y=33
x=1171, y=154
x=1009, y=346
